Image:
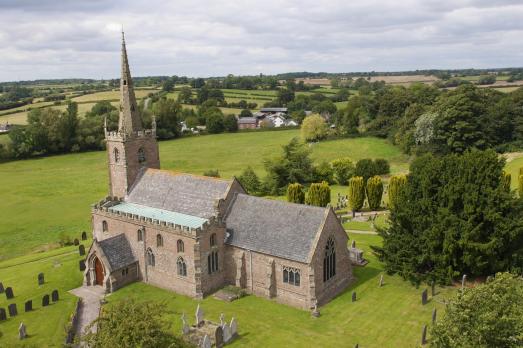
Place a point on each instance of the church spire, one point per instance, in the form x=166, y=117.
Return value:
x=129, y=121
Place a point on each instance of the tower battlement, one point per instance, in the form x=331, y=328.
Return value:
x=120, y=136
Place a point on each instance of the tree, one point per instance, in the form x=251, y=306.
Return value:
x=191, y=122
x=246, y=113
x=313, y=128
x=250, y=181
x=484, y=316
x=505, y=180
x=68, y=126
x=230, y=123
x=343, y=170
x=185, y=95
x=381, y=166
x=323, y=172
x=168, y=85
x=455, y=217
x=396, y=187
x=167, y=113
x=374, y=192
x=356, y=193
x=214, y=121
x=319, y=194
x=295, y=193
x=132, y=324
x=486, y=80
x=520, y=185
x=365, y=168
x=285, y=96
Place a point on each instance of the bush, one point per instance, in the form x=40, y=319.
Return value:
x=295, y=193
x=374, y=192
x=323, y=172
x=319, y=194
x=381, y=166
x=64, y=239
x=396, y=186
x=356, y=193
x=212, y=173
x=246, y=113
x=343, y=170
x=313, y=128
x=230, y=123
x=505, y=181
x=214, y=123
x=520, y=185
x=250, y=181
x=365, y=168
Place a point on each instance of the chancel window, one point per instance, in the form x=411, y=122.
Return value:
x=212, y=262
x=181, y=267
x=291, y=276
x=116, y=155
x=329, y=260
x=105, y=227
x=150, y=258
x=179, y=246
x=141, y=155
x=139, y=235
x=159, y=240
x=213, y=239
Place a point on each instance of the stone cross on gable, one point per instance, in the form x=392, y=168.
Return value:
x=199, y=315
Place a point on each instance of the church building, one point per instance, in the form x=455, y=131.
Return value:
x=194, y=234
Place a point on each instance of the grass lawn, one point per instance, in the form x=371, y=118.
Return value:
x=390, y=316
x=513, y=164
x=43, y=197
x=45, y=325
x=109, y=95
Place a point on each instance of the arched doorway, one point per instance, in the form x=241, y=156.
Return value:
x=99, y=272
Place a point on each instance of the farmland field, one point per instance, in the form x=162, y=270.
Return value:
x=109, y=95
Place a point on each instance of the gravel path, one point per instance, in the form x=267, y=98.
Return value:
x=91, y=296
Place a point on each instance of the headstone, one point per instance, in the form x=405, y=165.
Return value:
x=381, y=280
x=45, y=300
x=226, y=333
x=3, y=314
x=82, y=265
x=84, y=235
x=353, y=244
x=234, y=327
x=199, y=316
x=434, y=313
x=354, y=296
x=54, y=295
x=463, y=280
x=218, y=337
x=357, y=345
x=206, y=342
x=316, y=311
x=424, y=335
x=29, y=306
x=433, y=288
x=9, y=293
x=41, y=280
x=22, y=333
x=1, y=287
x=185, y=327
x=424, y=297
x=81, y=250
x=12, y=310
x=76, y=241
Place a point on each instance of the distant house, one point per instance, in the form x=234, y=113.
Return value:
x=273, y=110
x=247, y=123
x=291, y=123
x=278, y=121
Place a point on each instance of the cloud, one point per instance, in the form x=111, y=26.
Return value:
x=49, y=39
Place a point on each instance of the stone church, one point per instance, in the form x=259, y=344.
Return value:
x=194, y=234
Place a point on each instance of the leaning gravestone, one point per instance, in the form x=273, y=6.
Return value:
x=234, y=327
x=1, y=287
x=40, y=278
x=199, y=316
x=3, y=314
x=433, y=288
x=81, y=250
x=84, y=235
x=45, y=301
x=434, y=313
x=76, y=241
x=9, y=293
x=218, y=336
x=22, y=331
x=12, y=310
x=54, y=295
x=29, y=306
x=82, y=265
x=354, y=296
x=424, y=297
x=424, y=335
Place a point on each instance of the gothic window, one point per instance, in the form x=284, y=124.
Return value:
x=116, y=155
x=124, y=82
x=150, y=257
x=141, y=155
x=329, y=260
x=212, y=262
x=179, y=246
x=291, y=276
x=139, y=235
x=181, y=267
x=213, y=239
x=159, y=240
x=105, y=228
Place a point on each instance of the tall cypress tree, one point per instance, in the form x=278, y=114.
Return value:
x=505, y=181
x=396, y=186
x=520, y=185
x=356, y=193
x=319, y=194
x=295, y=193
x=374, y=192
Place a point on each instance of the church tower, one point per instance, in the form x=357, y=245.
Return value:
x=131, y=148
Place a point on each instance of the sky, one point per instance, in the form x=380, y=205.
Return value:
x=42, y=39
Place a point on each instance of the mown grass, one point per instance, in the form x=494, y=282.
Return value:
x=109, y=95
x=44, y=197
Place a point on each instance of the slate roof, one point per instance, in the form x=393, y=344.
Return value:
x=178, y=192
x=273, y=227
x=247, y=120
x=118, y=251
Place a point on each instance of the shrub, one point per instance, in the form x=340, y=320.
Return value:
x=246, y=113
x=230, y=123
x=313, y=128
x=396, y=186
x=520, y=185
x=323, y=172
x=374, y=192
x=356, y=193
x=295, y=193
x=212, y=173
x=64, y=239
x=505, y=181
x=343, y=170
x=214, y=123
x=365, y=168
x=319, y=194
x=250, y=181
x=381, y=166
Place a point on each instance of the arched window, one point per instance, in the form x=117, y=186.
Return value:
x=212, y=262
x=179, y=246
x=116, y=155
x=213, y=239
x=139, y=235
x=329, y=260
x=291, y=276
x=124, y=82
x=150, y=257
x=141, y=155
x=159, y=240
x=105, y=227
x=181, y=267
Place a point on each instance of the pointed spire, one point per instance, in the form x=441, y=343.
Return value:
x=129, y=121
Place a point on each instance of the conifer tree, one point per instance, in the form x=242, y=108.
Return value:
x=356, y=193
x=505, y=181
x=396, y=186
x=374, y=192
x=295, y=193
x=520, y=185
x=319, y=194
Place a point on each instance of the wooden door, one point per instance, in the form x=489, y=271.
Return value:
x=99, y=270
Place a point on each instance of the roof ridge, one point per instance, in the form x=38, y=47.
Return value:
x=297, y=205
x=175, y=173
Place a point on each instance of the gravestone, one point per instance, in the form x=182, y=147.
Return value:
x=29, y=306
x=434, y=313
x=22, y=331
x=12, y=310
x=185, y=327
x=3, y=314
x=218, y=337
x=463, y=280
x=353, y=245
x=424, y=297
x=40, y=279
x=433, y=288
x=45, y=301
x=1, y=287
x=226, y=333
x=234, y=327
x=82, y=265
x=9, y=293
x=199, y=316
x=381, y=280
x=424, y=335
x=316, y=312
x=76, y=241
x=354, y=296
x=81, y=250
x=206, y=342
x=84, y=235
x=357, y=345
x=54, y=295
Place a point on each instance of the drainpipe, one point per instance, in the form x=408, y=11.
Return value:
x=145, y=254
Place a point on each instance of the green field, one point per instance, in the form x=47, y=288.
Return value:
x=46, y=196
x=512, y=167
